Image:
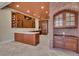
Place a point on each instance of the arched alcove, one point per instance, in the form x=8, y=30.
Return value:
x=65, y=19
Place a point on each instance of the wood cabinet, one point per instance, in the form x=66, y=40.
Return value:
x=71, y=43
x=32, y=39
x=59, y=43
x=22, y=21
x=67, y=42
x=43, y=27
x=66, y=19
x=78, y=46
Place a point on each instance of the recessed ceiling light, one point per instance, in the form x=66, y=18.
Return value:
x=34, y=14
x=38, y=16
x=46, y=12
x=42, y=7
x=28, y=11
x=17, y=6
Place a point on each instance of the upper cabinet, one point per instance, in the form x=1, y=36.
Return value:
x=43, y=27
x=66, y=19
x=22, y=21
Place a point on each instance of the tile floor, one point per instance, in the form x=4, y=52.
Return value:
x=20, y=49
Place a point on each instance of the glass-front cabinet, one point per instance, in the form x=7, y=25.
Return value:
x=58, y=22
x=66, y=19
x=70, y=19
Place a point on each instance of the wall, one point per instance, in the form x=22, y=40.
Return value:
x=6, y=32
x=5, y=28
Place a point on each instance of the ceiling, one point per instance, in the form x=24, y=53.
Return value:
x=36, y=9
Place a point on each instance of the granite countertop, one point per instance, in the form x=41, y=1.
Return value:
x=28, y=32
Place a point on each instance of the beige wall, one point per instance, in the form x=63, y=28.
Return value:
x=5, y=28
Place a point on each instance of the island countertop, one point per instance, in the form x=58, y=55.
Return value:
x=28, y=32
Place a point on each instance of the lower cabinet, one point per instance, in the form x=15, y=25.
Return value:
x=19, y=37
x=32, y=39
x=58, y=43
x=66, y=42
x=78, y=46
x=71, y=43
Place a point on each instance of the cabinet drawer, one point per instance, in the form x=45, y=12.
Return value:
x=19, y=37
x=58, y=39
x=59, y=44
x=71, y=40
x=71, y=45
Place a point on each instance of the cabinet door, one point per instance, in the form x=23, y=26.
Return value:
x=71, y=44
x=19, y=37
x=44, y=27
x=29, y=39
x=78, y=47
x=58, y=22
x=70, y=19
x=20, y=19
x=29, y=23
x=59, y=43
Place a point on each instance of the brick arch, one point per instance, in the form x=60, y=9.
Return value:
x=71, y=7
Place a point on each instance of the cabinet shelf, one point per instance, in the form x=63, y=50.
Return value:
x=22, y=21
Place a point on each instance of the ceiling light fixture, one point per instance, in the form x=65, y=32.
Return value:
x=28, y=11
x=46, y=12
x=38, y=16
x=42, y=7
x=17, y=6
x=34, y=14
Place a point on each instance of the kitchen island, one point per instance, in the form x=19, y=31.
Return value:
x=31, y=38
